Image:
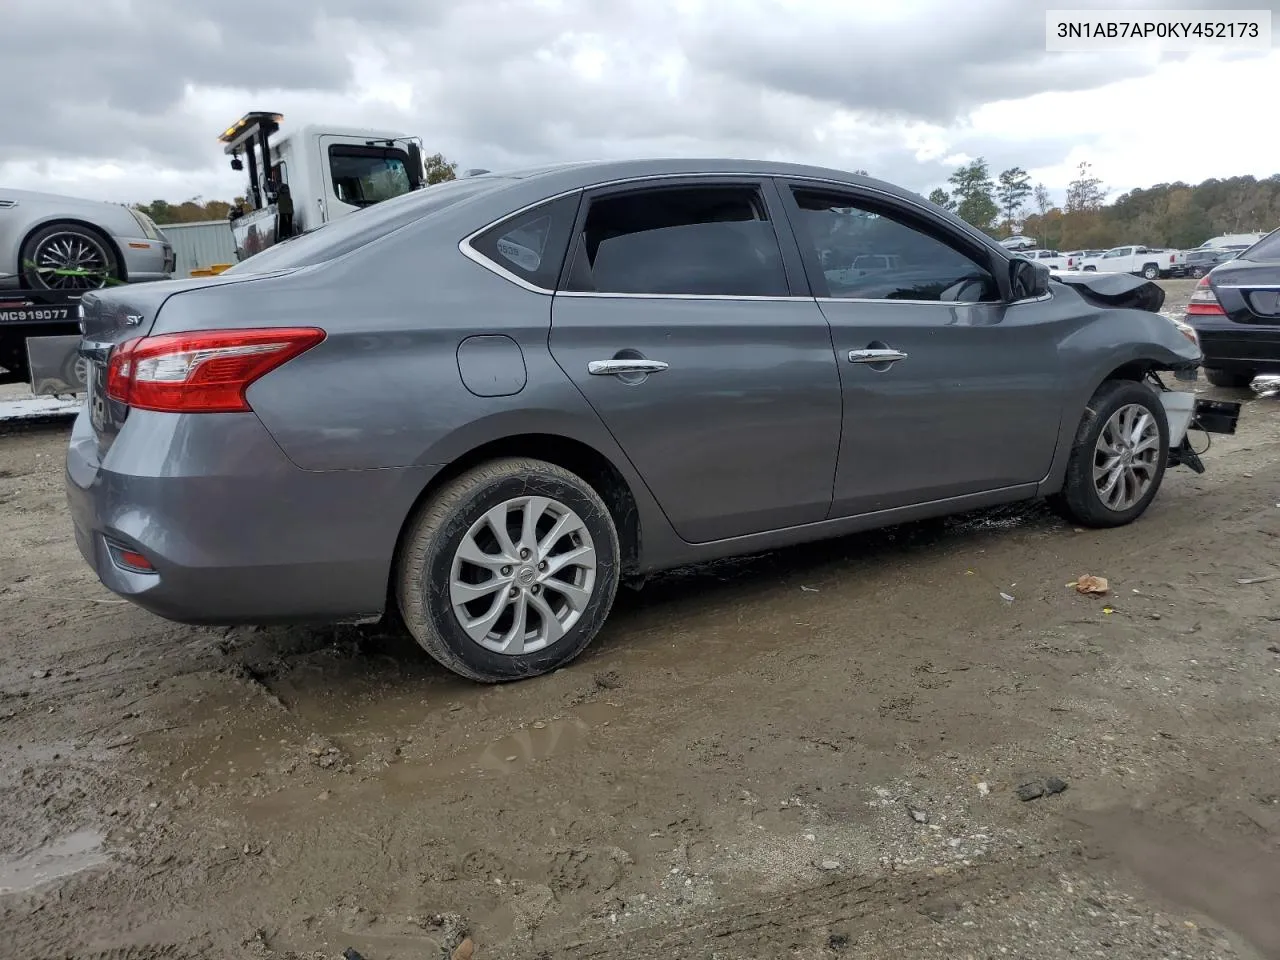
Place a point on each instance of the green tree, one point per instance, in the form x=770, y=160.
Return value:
x=1043, y=201
x=438, y=169
x=1014, y=188
x=1085, y=193
x=972, y=191
x=942, y=199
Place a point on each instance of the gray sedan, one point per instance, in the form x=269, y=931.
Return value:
x=485, y=402
x=66, y=244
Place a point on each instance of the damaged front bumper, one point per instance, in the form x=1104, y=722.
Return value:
x=1186, y=412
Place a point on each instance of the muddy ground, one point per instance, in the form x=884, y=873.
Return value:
x=813, y=753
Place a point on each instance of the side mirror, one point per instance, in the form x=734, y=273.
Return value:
x=416, y=171
x=1027, y=279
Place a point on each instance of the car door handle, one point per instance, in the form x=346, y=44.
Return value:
x=612, y=368
x=876, y=356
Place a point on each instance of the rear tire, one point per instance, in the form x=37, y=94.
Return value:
x=1151, y=272
x=1230, y=379
x=491, y=620
x=1104, y=487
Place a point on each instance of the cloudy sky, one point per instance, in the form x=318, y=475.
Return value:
x=124, y=98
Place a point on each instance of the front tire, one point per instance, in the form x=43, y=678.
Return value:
x=67, y=257
x=1118, y=458
x=1230, y=379
x=509, y=571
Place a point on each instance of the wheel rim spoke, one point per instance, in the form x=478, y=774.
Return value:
x=575, y=596
x=579, y=556
x=523, y=575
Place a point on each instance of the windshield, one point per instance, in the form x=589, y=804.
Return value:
x=1267, y=249
x=338, y=237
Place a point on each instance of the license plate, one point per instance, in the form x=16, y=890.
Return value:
x=34, y=314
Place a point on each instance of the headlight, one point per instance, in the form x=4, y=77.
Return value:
x=149, y=228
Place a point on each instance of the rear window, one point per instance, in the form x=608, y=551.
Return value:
x=1267, y=249
x=338, y=237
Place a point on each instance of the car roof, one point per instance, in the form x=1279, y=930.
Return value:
x=588, y=173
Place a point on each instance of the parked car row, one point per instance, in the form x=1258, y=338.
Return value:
x=1151, y=263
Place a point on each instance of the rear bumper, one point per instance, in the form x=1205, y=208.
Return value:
x=235, y=532
x=1238, y=347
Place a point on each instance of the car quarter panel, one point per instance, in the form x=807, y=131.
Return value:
x=234, y=530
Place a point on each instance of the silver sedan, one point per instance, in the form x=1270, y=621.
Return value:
x=51, y=242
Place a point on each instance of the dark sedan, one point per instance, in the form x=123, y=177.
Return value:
x=1200, y=262
x=1236, y=311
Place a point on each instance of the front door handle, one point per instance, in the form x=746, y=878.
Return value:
x=876, y=356
x=612, y=368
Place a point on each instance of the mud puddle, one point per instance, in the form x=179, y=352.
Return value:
x=1235, y=884
x=55, y=860
x=538, y=741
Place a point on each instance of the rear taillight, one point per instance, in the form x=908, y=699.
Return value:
x=207, y=371
x=1204, y=302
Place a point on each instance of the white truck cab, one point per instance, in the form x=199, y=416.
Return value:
x=306, y=177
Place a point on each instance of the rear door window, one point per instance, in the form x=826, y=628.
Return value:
x=706, y=240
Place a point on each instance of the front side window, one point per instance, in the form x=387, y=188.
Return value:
x=867, y=254
x=679, y=241
x=366, y=175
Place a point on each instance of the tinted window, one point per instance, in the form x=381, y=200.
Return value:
x=366, y=175
x=531, y=245
x=341, y=236
x=866, y=254
x=1267, y=249
x=711, y=241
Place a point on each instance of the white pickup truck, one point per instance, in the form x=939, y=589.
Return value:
x=1050, y=258
x=1150, y=263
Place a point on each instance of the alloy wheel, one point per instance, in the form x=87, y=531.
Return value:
x=71, y=261
x=522, y=575
x=1125, y=457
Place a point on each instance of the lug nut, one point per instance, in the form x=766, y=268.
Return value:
x=506, y=571
x=542, y=565
x=513, y=592
x=537, y=588
x=524, y=553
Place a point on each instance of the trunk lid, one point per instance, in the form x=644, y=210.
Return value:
x=1248, y=291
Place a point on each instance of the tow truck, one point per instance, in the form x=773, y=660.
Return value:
x=296, y=182
x=313, y=175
